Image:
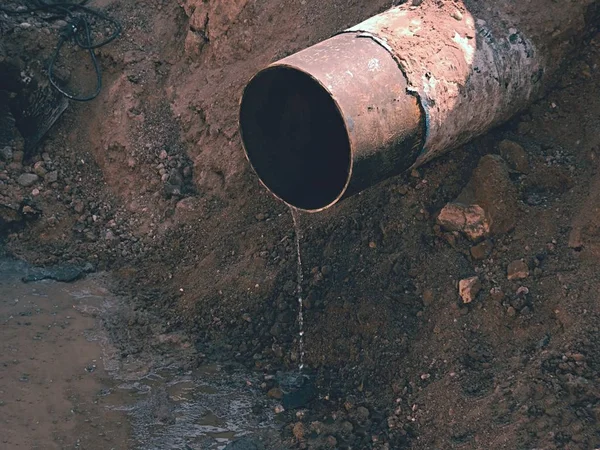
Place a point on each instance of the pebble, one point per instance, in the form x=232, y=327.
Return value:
x=298, y=431
x=331, y=442
x=469, y=288
x=497, y=294
x=362, y=414
x=260, y=217
x=51, y=177
x=27, y=179
x=39, y=169
x=427, y=297
x=517, y=270
x=512, y=312
x=18, y=156
x=275, y=393
x=163, y=154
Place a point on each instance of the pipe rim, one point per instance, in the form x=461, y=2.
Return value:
x=317, y=82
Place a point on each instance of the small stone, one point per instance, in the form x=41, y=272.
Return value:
x=415, y=173
x=467, y=219
x=469, y=288
x=18, y=156
x=497, y=294
x=427, y=297
x=372, y=244
x=79, y=207
x=326, y=270
x=515, y=156
x=275, y=393
x=362, y=414
x=35, y=192
x=517, y=270
x=279, y=409
x=51, y=177
x=6, y=154
x=298, y=431
x=331, y=442
x=482, y=250
x=523, y=291
x=28, y=179
x=39, y=169
x=512, y=312
x=260, y=217
x=163, y=154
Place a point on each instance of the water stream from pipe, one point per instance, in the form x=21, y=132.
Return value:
x=300, y=279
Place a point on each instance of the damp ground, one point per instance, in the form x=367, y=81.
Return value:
x=63, y=385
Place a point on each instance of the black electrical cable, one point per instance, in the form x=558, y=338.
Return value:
x=77, y=30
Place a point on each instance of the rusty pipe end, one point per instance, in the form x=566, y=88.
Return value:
x=295, y=137
x=329, y=121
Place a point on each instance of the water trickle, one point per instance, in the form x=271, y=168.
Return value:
x=300, y=279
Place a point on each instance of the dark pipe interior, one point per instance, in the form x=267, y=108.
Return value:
x=295, y=138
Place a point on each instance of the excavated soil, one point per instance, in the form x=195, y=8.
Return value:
x=149, y=182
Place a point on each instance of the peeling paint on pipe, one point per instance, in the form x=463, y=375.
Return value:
x=397, y=90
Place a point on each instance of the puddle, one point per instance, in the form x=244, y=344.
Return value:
x=63, y=386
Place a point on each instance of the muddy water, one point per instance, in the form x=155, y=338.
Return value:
x=62, y=385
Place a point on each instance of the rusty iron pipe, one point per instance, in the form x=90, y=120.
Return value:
x=396, y=91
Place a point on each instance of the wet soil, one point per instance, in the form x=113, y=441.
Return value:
x=63, y=384
x=153, y=186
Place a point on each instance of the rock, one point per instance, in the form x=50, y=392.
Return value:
x=331, y=442
x=298, y=431
x=27, y=179
x=65, y=273
x=275, y=393
x=39, y=169
x=163, y=154
x=515, y=156
x=18, y=156
x=517, y=270
x=6, y=154
x=490, y=187
x=482, y=250
x=469, y=288
x=326, y=270
x=427, y=297
x=362, y=414
x=51, y=177
x=497, y=294
x=79, y=207
x=245, y=444
x=468, y=219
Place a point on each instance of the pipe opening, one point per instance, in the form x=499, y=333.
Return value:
x=295, y=138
